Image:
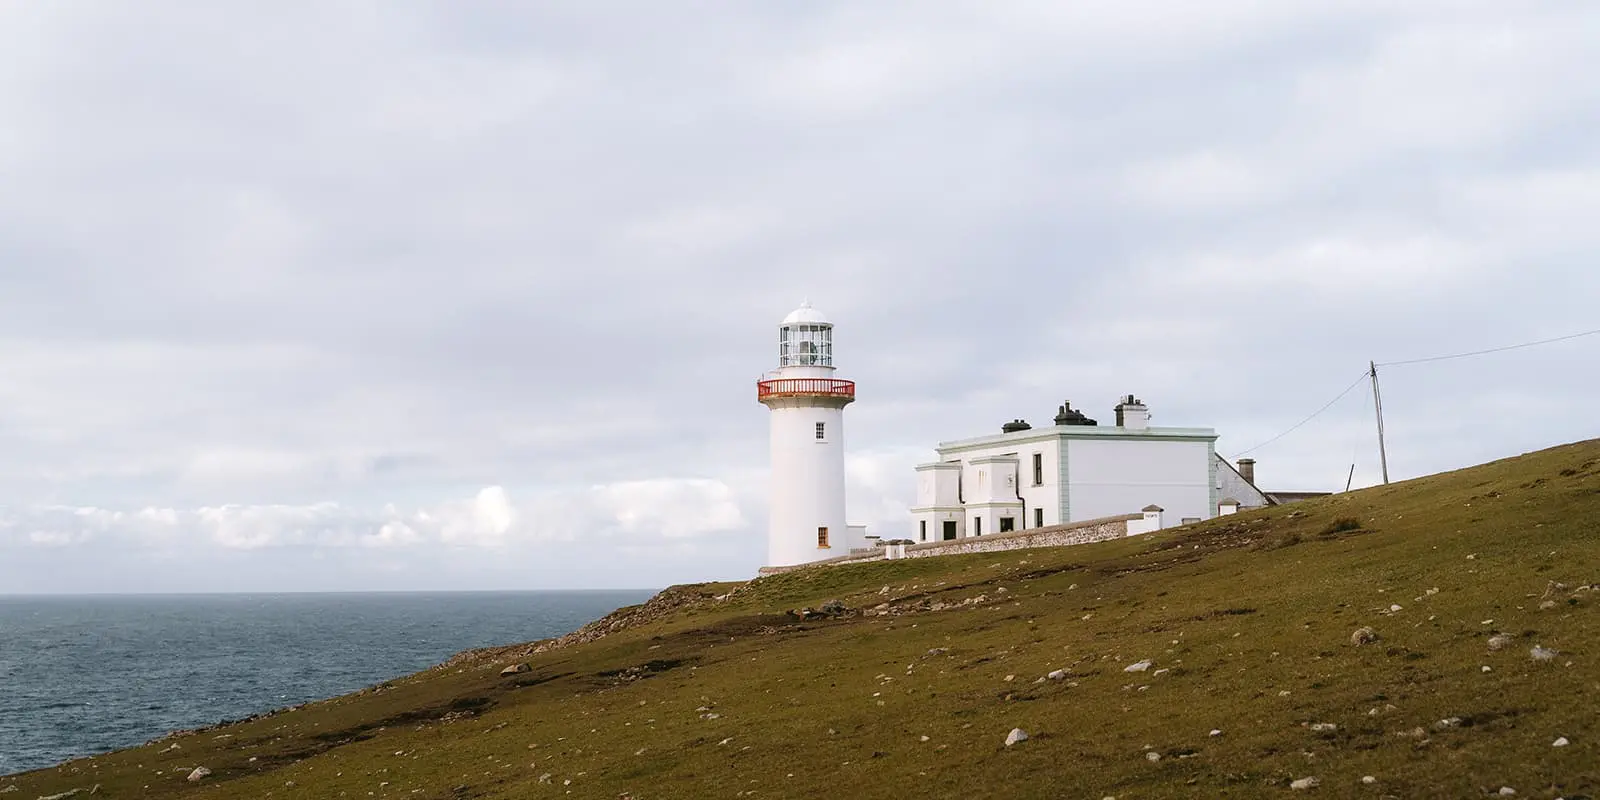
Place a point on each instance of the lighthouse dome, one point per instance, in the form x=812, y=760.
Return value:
x=806, y=315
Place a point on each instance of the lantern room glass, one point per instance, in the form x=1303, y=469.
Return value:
x=805, y=345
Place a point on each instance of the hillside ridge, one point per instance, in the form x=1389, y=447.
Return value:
x=1433, y=637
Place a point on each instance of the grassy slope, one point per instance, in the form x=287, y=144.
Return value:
x=1250, y=615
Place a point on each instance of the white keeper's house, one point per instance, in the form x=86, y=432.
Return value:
x=1027, y=477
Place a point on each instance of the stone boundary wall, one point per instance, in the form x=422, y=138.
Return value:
x=1085, y=532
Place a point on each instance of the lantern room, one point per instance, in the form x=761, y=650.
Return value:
x=805, y=339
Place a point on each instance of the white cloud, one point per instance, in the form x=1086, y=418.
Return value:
x=296, y=310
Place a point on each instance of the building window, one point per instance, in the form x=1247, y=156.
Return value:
x=949, y=530
x=1038, y=518
x=822, y=428
x=1007, y=524
x=1038, y=469
x=922, y=530
x=822, y=537
x=1190, y=520
x=977, y=526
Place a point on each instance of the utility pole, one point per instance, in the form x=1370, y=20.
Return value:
x=1377, y=403
x=1349, y=479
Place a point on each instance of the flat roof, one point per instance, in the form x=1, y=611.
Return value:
x=1079, y=432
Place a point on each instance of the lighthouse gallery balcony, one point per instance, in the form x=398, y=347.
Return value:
x=805, y=387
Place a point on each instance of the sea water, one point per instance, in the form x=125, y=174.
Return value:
x=87, y=674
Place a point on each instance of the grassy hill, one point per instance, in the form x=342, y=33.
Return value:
x=1246, y=629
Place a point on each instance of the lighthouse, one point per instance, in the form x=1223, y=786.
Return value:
x=807, y=443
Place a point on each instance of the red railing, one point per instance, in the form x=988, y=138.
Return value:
x=809, y=387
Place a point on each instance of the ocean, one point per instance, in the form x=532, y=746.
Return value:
x=87, y=674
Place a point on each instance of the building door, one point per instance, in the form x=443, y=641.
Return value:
x=949, y=529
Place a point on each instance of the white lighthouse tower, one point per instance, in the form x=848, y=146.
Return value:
x=807, y=403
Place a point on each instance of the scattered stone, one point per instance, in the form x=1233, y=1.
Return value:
x=1010, y=678
x=938, y=651
x=1215, y=732
x=1499, y=641
x=545, y=778
x=1324, y=727
x=1561, y=742
x=1487, y=669
x=199, y=773
x=1056, y=675
x=9, y=789
x=1540, y=653
x=1305, y=783
x=1016, y=735
x=923, y=738
x=1547, y=605
x=1152, y=756
x=1507, y=791
x=1394, y=608
x=515, y=669
x=1138, y=666
x=1363, y=636
x=1368, y=780
x=1447, y=723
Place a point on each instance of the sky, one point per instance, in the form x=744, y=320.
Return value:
x=403, y=295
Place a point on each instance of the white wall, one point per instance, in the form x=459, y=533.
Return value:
x=1044, y=496
x=1108, y=477
x=1230, y=484
x=807, y=483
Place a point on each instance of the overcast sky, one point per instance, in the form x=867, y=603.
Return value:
x=473, y=295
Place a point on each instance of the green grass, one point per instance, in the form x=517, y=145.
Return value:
x=1247, y=620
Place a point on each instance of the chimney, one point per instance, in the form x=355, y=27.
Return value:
x=1015, y=426
x=1132, y=414
x=1247, y=470
x=1067, y=415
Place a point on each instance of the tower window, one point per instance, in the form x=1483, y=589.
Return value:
x=1038, y=469
x=1038, y=518
x=922, y=530
x=977, y=526
x=822, y=537
x=822, y=428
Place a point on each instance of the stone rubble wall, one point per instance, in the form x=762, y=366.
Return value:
x=1085, y=532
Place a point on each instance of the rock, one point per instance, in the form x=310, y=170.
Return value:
x=1486, y=668
x=1499, y=641
x=1507, y=791
x=1056, y=675
x=199, y=772
x=1324, y=727
x=1016, y=735
x=1137, y=666
x=1447, y=723
x=1363, y=636
x=1539, y=653
x=9, y=789
x=1216, y=732
x=1393, y=608
x=1305, y=783
x=1561, y=742
x=1368, y=780
x=515, y=669
x=937, y=651
x=545, y=778
x=1547, y=605
x=1152, y=756
x=923, y=738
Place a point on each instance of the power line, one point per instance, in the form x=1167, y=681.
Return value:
x=1318, y=413
x=1491, y=350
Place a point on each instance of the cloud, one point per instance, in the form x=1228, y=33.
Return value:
x=481, y=288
